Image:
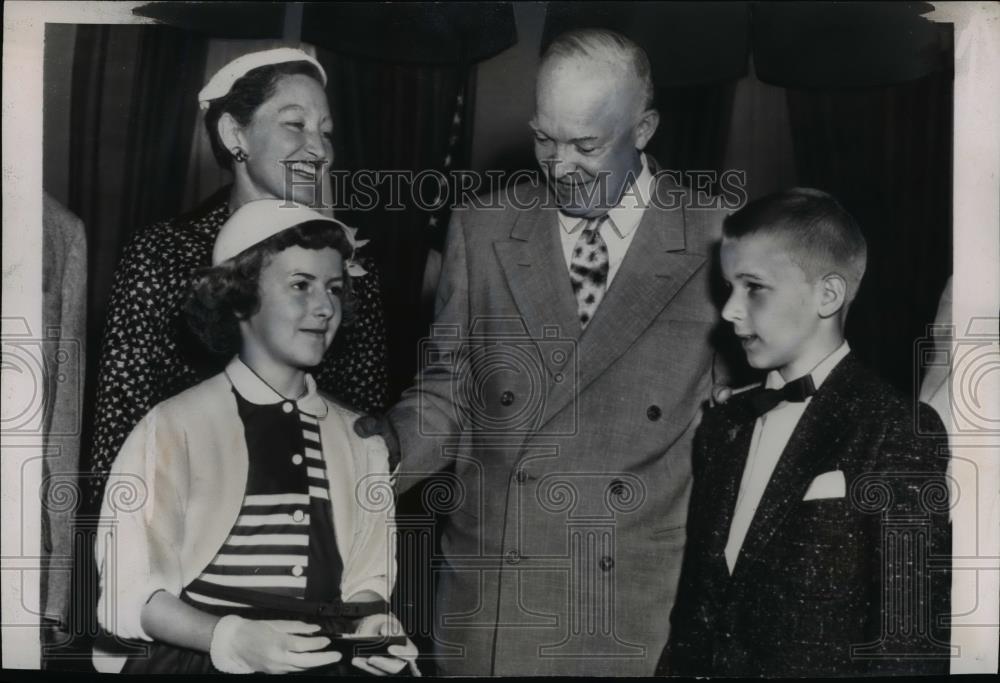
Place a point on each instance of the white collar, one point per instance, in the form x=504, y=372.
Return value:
x=250, y=386
x=819, y=373
x=626, y=215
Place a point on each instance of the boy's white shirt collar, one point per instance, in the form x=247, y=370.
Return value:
x=626, y=215
x=255, y=390
x=819, y=373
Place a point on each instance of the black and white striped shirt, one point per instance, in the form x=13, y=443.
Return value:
x=283, y=541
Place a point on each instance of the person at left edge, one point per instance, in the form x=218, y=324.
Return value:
x=259, y=524
x=262, y=110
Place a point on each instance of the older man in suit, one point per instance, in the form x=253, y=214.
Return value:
x=561, y=387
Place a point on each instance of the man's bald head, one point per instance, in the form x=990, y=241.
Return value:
x=607, y=53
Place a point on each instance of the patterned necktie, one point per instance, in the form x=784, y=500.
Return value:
x=588, y=269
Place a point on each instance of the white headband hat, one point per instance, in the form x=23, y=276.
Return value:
x=255, y=221
x=222, y=82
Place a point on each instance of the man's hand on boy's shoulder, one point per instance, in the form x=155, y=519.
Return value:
x=379, y=425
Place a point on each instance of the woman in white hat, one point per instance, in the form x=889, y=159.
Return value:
x=269, y=122
x=262, y=526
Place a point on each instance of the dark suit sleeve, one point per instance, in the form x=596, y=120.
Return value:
x=909, y=618
x=688, y=653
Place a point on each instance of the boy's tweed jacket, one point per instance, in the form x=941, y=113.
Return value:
x=813, y=577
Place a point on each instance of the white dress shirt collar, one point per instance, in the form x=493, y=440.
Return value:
x=250, y=386
x=819, y=373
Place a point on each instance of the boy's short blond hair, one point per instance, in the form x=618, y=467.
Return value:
x=821, y=236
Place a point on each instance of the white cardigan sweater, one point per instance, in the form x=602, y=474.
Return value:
x=177, y=485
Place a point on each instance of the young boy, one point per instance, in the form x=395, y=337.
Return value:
x=818, y=535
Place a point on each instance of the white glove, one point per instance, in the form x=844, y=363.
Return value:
x=245, y=646
x=223, y=657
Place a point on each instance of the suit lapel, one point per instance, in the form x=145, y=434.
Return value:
x=535, y=270
x=729, y=449
x=654, y=269
x=811, y=450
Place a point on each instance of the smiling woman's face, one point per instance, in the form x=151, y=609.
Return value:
x=288, y=134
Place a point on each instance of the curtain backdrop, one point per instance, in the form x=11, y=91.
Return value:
x=398, y=117
x=885, y=153
x=131, y=128
x=694, y=126
x=760, y=136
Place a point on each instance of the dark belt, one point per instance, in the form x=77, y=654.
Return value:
x=337, y=608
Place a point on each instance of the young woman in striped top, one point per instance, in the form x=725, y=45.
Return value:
x=256, y=523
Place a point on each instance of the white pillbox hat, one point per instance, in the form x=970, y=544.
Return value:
x=222, y=82
x=255, y=221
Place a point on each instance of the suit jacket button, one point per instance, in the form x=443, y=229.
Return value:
x=520, y=476
x=507, y=398
x=513, y=557
x=606, y=563
x=654, y=413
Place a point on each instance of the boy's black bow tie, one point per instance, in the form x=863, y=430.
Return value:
x=796, y=391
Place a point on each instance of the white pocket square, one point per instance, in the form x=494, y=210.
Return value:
x=827, y=485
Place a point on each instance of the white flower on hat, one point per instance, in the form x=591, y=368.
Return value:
x=222, y=82
x=258, y=220
x=354, y=269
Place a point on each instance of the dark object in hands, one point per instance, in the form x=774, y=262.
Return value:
x=362, y=646
x=350, y=647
